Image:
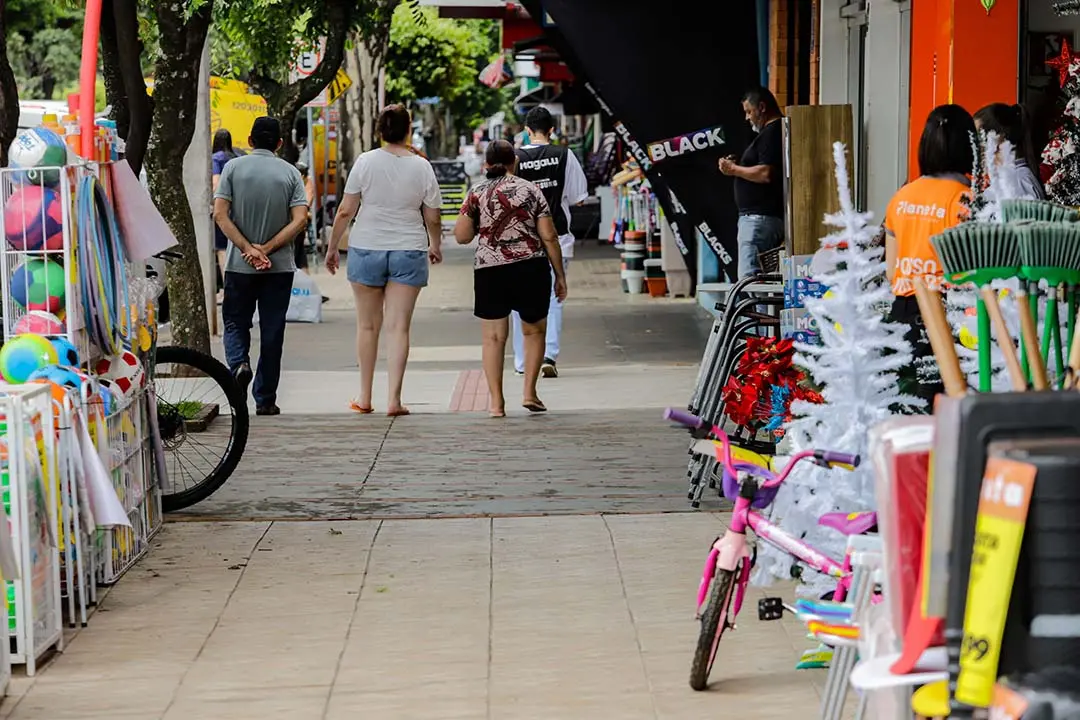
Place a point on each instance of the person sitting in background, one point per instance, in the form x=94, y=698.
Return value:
x=921, y=209
x=1009, y=122
x=517, y=254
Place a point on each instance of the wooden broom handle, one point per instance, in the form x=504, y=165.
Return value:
x=1074, y=357
x=1030, y=336
x=1004, y=339
x=937, y=327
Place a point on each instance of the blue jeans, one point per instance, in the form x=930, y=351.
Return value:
x=271, y=293
x=757, y=234
x=554, y=328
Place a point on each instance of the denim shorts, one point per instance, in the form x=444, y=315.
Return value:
x=375, y=268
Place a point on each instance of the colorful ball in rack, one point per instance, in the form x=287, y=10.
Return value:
x=65, y=351
x=39, y=153
x=110, y=393
x=23, y=354
x=34, y=219
x=38, y=284
x=60, y=375
x=124, y=370
x=39, y=322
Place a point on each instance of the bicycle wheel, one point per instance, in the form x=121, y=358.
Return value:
x=713, y=623
x=203, y=421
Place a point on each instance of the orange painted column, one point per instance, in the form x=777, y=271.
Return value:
x=962, y=54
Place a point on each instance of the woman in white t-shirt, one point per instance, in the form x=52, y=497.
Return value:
x=394, y=197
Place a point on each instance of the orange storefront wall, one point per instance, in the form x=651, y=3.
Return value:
x=961, y=54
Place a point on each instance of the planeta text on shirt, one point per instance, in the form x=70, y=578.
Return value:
x=919, y=210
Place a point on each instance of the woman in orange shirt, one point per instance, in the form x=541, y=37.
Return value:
x=918, y=211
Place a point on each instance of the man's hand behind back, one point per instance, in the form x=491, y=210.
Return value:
x=256, y=258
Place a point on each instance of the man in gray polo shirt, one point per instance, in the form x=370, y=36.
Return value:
x=261, y=206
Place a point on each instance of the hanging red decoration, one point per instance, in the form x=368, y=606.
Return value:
x=1062, y=62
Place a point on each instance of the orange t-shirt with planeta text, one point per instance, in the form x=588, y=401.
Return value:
x=918, y=211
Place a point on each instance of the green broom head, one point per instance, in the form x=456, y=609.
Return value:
x=1050, y=251
x=1037, y=210
x=978, y=252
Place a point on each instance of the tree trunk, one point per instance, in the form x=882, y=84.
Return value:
x=360, y=104
x=125, y=89
x=9, y=92
x=175, y=86
x=115, y=93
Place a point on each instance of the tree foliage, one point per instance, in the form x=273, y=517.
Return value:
x=431, y=56
x=43, y=42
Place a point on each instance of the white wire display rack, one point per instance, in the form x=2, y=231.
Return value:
x=19, y=265
x=31, y=483
x=126, y=448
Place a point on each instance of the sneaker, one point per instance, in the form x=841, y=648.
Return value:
x=548, y=369
x=243, y=376
x=268, y=410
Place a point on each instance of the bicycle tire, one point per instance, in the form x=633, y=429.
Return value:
x=713, y=624
x=220, y=374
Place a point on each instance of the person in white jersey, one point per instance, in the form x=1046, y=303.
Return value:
x=558, y=174
x=398, y=232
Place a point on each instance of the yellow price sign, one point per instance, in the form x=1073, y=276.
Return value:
x=999, y=530
x=338, y=86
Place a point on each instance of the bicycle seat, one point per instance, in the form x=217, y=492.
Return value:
x=855, y=523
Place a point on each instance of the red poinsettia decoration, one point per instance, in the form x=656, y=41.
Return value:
x=749, y=397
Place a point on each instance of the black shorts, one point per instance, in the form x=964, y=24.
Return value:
x=523, y=286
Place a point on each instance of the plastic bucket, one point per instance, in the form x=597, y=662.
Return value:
x=634, y=281
x=633, y=261
x=634, y=241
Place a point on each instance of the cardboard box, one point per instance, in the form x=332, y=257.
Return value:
x=799, y=325
x=798, y=285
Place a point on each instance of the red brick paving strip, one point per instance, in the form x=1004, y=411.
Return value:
x=470, y=393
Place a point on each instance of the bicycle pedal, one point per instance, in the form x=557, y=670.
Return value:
x=770, y=608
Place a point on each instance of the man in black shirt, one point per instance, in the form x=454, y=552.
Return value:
x=759, y=181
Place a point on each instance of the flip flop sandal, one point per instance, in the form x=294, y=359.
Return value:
x=360, y=409
x=399, y=413
x=534, y=406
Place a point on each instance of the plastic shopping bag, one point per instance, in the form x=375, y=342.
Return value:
x=306, y=303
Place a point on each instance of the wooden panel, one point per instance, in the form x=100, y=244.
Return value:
x=812, y=130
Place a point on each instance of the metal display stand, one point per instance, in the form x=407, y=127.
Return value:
x=739, y=318
x=30, y=484
x=128, y=452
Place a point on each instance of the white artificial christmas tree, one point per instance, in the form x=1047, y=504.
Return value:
x=856, y=364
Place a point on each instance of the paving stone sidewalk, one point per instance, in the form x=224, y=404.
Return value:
x=482, y=618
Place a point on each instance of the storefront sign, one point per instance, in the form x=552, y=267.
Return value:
x=714, y=243
x=688, y=143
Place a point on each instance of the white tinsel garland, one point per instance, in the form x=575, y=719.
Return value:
x=856, y=364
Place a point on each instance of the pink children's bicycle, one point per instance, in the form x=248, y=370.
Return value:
x=727, y=569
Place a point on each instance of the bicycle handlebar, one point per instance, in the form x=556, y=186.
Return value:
x=693, y=422
x=684, y=418
x=839, y=458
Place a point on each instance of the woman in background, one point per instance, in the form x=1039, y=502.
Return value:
x=1009, y=122
x=398, y=232
x=918, y=211
x=517, y=252
x=222, y=153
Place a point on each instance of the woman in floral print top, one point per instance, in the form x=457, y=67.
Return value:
x=517, y=255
